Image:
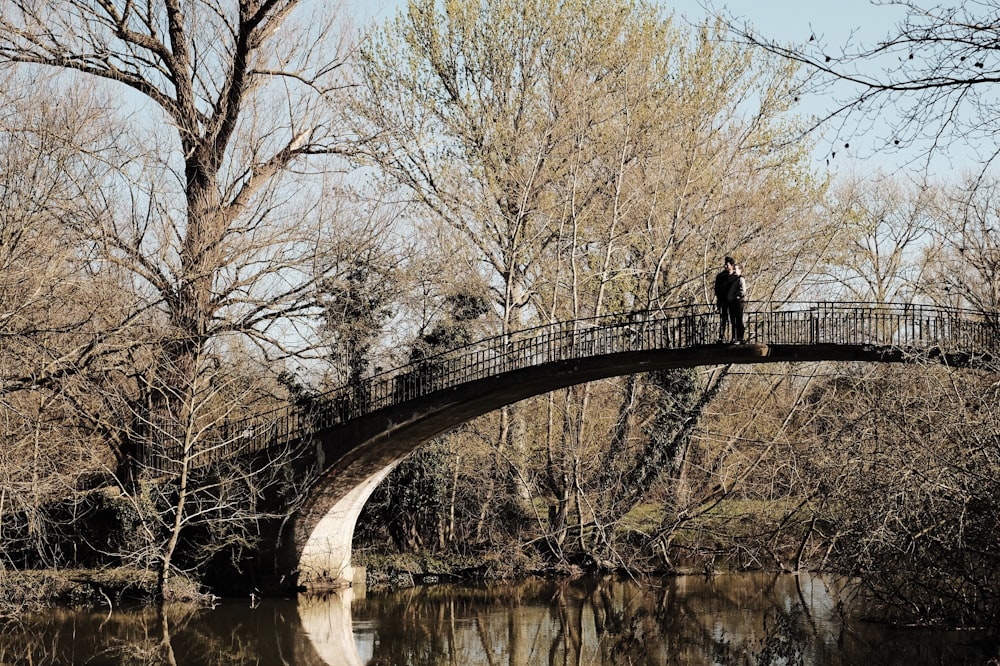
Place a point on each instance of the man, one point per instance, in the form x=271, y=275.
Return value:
x=722, y=283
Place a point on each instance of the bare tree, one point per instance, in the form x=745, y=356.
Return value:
x=923, y=541
x=49, y=309
x=929, y=80
x=210, y=209
x=61, y=316
x=206, y=232
x=964, y=260
x=885, y=230
x=214, y=507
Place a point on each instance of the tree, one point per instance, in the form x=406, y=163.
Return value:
x=359, y=295
x=209, y=209
x=48, y=282
x=205, y=232
x=885, y=230
x=964, y=259
x=61, y=315
x=923, y=543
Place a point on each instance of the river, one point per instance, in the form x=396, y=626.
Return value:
x=726, y=619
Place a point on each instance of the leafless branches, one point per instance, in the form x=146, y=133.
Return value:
x=931, y=79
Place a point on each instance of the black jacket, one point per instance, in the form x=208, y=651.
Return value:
x=722, y=283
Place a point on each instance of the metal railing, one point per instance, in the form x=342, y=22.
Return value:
x=915, y=327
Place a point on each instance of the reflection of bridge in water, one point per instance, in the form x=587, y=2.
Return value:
x=354, y=436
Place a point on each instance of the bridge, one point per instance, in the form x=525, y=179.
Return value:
x=353, y=437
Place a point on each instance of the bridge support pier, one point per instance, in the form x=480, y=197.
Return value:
x=325, y=556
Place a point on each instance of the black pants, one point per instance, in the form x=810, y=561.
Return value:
x=736, y=319
x=723, y=319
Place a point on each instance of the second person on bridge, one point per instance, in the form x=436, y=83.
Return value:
x=737, y=298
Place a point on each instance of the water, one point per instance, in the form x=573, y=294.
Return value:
x=731, y=619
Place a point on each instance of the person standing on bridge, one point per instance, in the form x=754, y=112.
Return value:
x=737, y=299
x=722, y=283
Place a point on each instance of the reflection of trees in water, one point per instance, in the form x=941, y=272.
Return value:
x=434, y=625
x=748, y=619
x=64, y=636
x=604, y=621
x=698, y=621
x=179, y=634
x=730, y=620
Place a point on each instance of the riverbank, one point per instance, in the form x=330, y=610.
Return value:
x=30, y=590
x=22, y=591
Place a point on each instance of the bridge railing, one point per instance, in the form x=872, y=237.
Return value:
x=786, y=323
x=901, y=326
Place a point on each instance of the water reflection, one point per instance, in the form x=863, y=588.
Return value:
x=326, y=621
x=745, y=619
x=229, y=634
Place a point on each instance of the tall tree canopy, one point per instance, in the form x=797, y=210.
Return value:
x=193, y=209
x=564, y=138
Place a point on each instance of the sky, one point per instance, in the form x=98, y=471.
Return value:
x=833, y=23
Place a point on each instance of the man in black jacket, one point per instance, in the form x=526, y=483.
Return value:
x=722, y=283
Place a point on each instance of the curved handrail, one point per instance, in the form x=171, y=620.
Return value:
x=910, y=326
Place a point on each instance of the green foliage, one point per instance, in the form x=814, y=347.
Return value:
x=410, y=505
x=114, y=525
x=357, y=301
x=676, y=401
x=454, y=329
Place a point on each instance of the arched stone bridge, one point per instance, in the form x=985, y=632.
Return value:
x=361, y=432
